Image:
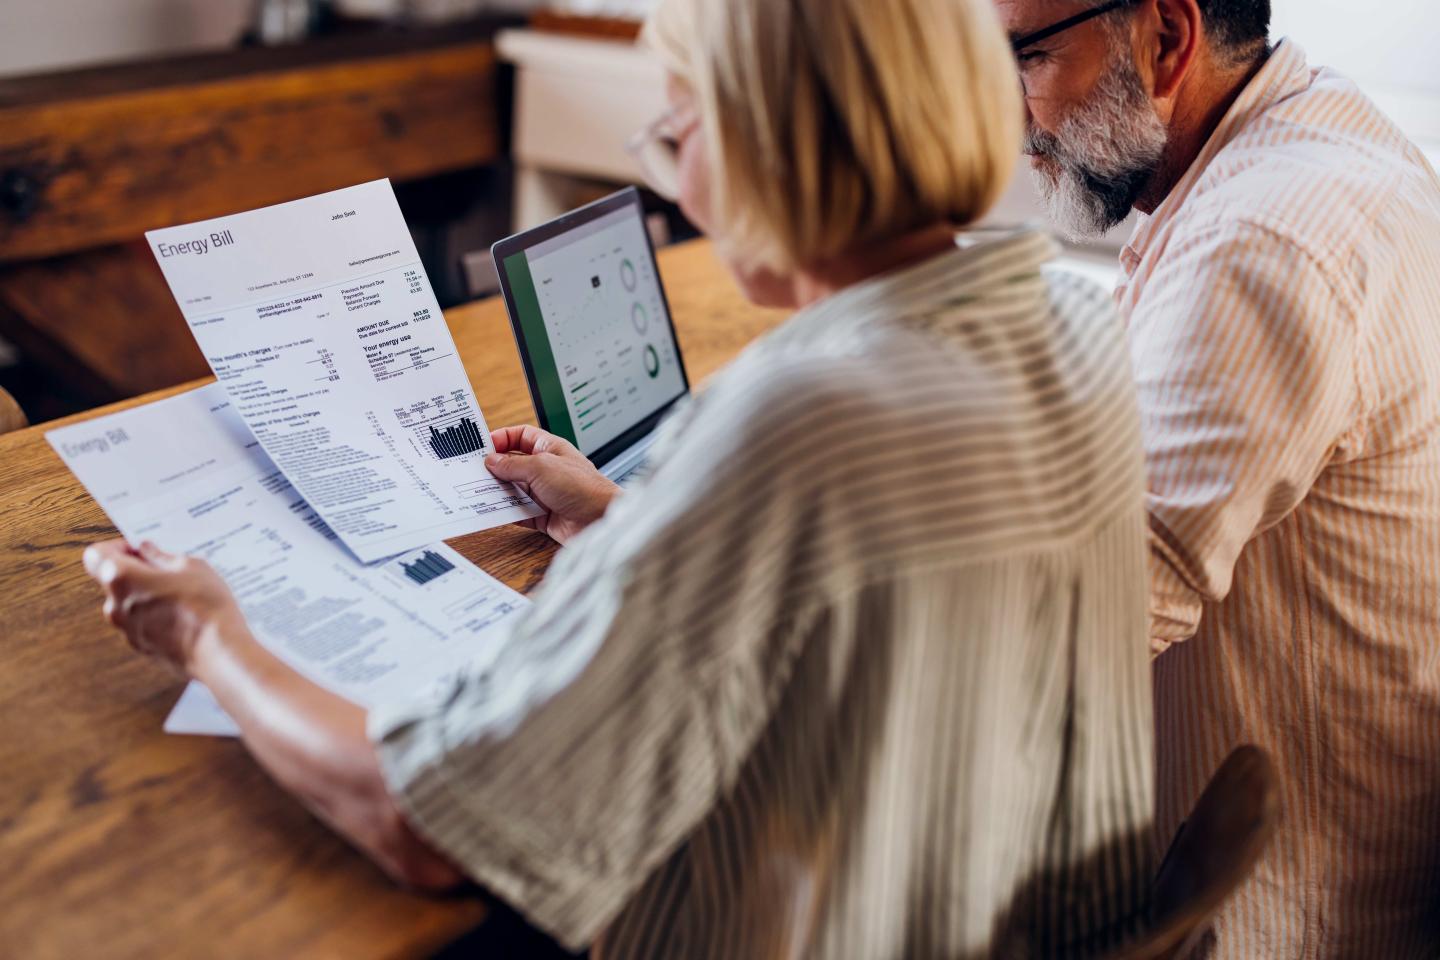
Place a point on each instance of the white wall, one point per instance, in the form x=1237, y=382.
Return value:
x=40, y=35
x=1377, y=42
x=43, y=35
x=1382, y=42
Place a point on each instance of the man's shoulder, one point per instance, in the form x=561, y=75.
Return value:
x=1315, y=171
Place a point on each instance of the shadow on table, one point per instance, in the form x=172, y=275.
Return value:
x=505, y=934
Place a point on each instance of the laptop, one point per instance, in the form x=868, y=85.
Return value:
x=593, y=327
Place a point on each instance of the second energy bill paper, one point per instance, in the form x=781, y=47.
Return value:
x=185, y=473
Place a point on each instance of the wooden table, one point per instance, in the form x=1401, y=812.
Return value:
x=119, y=841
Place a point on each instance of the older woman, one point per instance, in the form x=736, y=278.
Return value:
x=862, y=667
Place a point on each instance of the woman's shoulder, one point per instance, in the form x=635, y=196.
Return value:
x=1078, y=301
x=952, y=361
x=901, y=429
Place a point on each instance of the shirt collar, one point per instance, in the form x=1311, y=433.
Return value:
x=1284, y=74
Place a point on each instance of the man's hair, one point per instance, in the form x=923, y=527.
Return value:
x=1238, y=28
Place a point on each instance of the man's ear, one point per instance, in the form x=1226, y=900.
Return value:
x=1173, y=32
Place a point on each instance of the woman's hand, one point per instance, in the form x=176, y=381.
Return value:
x=165, y=604
x=556, y=475
x=312, y=741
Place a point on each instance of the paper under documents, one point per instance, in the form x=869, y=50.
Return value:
x=319, y=321
x=187, y=474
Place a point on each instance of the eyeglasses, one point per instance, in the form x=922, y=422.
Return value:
x=1070, y=23
x=657, y=150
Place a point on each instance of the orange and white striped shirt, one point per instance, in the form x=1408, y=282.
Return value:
x=1283, y=306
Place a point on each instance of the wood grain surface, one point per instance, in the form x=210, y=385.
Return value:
x=11, y=416
x=603, y=28
x=105, y=319
x=103, y=168
x=119, y=841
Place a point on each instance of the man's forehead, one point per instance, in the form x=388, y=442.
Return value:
x=1026, y=16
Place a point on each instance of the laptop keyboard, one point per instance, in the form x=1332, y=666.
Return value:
x=634, y=475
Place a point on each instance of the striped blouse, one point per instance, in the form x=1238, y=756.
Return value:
x=1284, y=315
x=862, y=664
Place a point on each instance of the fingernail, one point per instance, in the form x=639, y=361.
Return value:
x=106, y=571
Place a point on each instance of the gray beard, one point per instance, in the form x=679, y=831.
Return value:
x=1107, y=152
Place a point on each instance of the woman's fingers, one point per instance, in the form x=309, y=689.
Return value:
x=129, y=575
x=116, y=567
x=102, y=559
x=113, y=565
x=514, y=467
x=521, y=439
x=159, y=559
x=161, y=601
x=122, y=569
x=531, y=439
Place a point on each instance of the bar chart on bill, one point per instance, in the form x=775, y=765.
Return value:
x=426, y=567
x=444, y=428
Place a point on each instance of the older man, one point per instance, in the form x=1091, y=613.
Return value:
x=1282, y=292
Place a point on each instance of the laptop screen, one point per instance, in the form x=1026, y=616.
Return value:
x=593, y=325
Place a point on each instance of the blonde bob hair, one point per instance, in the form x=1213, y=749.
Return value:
x=836, y=124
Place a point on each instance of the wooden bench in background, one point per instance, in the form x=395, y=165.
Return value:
x=91, y=159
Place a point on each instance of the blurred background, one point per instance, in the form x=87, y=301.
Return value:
x=119, y=116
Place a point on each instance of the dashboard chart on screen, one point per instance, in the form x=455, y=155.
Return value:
x=604, y=316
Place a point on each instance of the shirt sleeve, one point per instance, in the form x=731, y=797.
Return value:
x=1245, y=357
x=631, y=694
